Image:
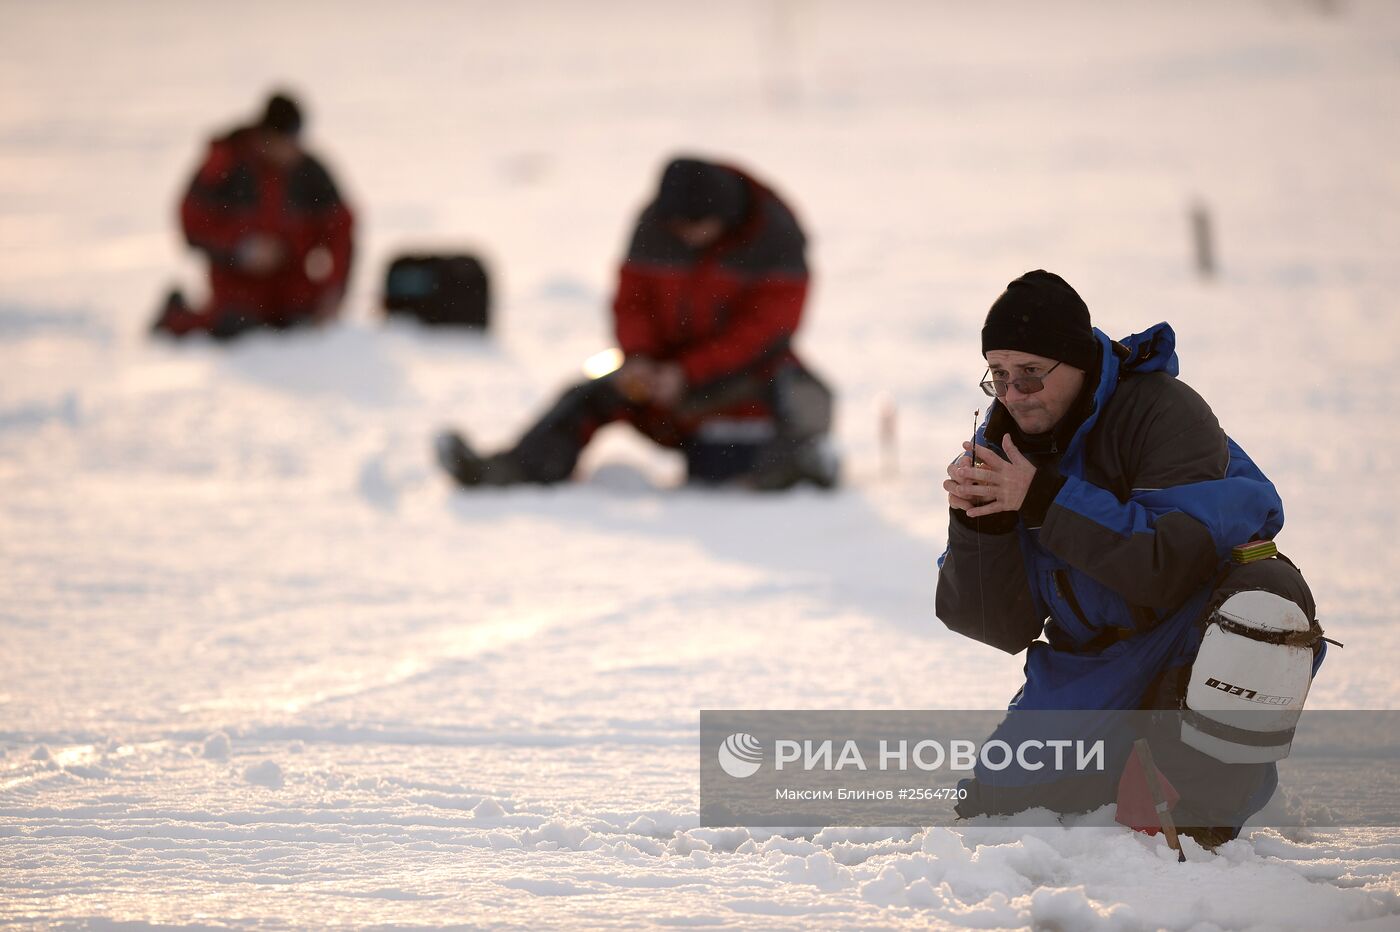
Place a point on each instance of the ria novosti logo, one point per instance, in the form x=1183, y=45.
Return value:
x=740, y=755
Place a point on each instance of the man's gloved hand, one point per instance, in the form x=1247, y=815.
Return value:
x=963, y=491
x=667, y=384
x=997, y=485
x=645, y=381
x=634, y=378
x=259, y=254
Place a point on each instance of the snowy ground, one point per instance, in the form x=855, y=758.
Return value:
x=264, y=668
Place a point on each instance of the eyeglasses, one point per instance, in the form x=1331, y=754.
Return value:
x=1026, y=384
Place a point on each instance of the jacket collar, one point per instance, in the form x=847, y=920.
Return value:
x=1152, y=350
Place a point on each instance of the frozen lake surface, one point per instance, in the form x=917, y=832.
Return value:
x=264, y=667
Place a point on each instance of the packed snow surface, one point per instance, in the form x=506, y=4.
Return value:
x=264, y=667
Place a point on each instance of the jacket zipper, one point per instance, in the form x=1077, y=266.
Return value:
x=1066, y=592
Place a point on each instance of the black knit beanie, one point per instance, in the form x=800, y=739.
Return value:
x=1039, y=313
x=693, y=190
x=282, y=115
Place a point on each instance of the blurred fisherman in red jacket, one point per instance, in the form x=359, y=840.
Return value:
x=273, y=226
x=708, y=301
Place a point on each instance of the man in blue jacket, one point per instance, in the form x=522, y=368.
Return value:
x=1102, y=511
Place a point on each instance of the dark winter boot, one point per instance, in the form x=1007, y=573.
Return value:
x=232, y=325
x=1211, y=837
x=784, y=464
x=463, y=464
x=175, y=317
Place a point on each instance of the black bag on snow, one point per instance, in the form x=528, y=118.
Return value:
x=437, y=290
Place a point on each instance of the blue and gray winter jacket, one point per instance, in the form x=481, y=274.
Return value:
x=1123, y=533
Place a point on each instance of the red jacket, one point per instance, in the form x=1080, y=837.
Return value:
x=237, y=192
x=730, y=308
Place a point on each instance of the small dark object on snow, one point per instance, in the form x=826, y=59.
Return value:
x=462, y=463
x=1203, y=240
x=449, y=290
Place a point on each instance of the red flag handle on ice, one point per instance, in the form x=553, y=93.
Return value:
x=1136, y=807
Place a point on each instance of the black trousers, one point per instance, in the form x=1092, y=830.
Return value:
x=1213, y=794
x=801, y=407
